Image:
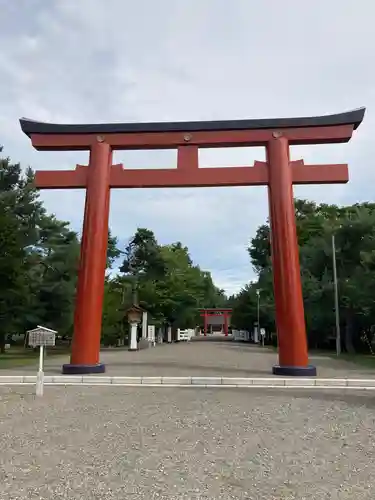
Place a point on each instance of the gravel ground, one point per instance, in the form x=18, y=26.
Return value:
x=226, y=359
x=126, y=443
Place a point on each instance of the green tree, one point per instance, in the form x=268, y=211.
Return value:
x=53, y=275
x=113, y=252
x=353, y=227
x=19, y=210
x=11, y=258
x=169, y=285
x=142, y=259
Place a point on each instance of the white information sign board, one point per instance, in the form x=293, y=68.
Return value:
x=41, y=337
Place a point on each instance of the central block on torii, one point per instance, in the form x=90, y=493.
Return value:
x=279, y=173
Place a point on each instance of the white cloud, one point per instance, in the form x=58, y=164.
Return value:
x=120, y=60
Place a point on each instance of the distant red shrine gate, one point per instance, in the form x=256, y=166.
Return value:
x=279, y=173
x=216, y=316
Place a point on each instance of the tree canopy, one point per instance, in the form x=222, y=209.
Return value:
x=167, y=284
x=39, y=259
x=353, y=229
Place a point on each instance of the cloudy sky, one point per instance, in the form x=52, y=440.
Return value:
x=78, y=61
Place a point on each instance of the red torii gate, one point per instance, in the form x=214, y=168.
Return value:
x=279, y=173
x=207, y=313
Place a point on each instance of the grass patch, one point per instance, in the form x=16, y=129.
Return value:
x=18, y=356
x=364, y=360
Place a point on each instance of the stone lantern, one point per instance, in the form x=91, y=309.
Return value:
x=134, y=314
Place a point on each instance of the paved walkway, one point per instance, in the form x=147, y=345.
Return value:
x=201, y=358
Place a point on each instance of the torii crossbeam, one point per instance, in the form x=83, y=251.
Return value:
x=278, y=173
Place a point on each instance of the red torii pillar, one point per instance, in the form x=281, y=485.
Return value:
x=278, y=173
x=90, y=285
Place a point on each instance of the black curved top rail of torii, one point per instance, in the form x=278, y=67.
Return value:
x=206, y=134
x=354, y=117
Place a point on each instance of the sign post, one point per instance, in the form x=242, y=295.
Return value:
x=40, y=376
x=42, y=337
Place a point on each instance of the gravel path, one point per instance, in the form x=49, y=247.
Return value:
x=124, y=443
x=226, y=359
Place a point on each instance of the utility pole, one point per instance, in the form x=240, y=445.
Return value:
x=337, y=312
